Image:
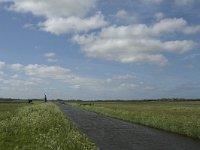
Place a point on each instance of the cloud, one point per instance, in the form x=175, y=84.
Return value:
x=52, y=60
x=1, y=76
x=192, y=29
x=73, y=24
x=15, y=76
x=34, y=78
x=2, y=64
x=29, y=82
x=45, y=71
x=29, y=26
x=120, y=78
x=137, y=43
x=16, y=67
x=36, y=70
x=52, y=8
x=159, y=15
x=1, y=73
x=125, y=16
x=65, y=16
x=169, y=25
x=52, y=72
x=50, y=55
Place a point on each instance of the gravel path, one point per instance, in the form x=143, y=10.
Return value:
x=112, y=134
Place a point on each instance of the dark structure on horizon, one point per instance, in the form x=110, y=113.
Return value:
x=45, y=98
x=30, y=101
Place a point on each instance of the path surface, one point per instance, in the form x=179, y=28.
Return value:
x=112, y=134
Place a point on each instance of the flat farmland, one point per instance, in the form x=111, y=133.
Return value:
x=180, y=117
x=7, y=109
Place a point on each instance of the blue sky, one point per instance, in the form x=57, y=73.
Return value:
x=100, y=49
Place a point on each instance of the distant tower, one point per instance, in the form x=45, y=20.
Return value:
x=45, y=97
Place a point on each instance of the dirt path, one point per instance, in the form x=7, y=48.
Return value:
x=112, y=134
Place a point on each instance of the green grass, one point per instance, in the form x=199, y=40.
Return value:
x=40, y=126
x=7, y=109
x=178, y=117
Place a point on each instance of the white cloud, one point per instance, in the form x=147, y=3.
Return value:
x=29, y=26
x=37, y=75
x=50, y=55
x=52, y=60
x=2, y=64
x=73, y=24
x=53, y=72
x=168, y=26
x=15, y=76
x=16, y=67
x=1, y=73
x=65, y=16
x=121, y=14
x=45, y=71
x=124, y=49
x=136, y=43
x=171, y=25
x=60, y=82
x=192, y=29
x=15, y=83
x=40, y=70
x=28, y=81
x=53, y=8
x=159, y=15
x=120, y=78
x=125, y=16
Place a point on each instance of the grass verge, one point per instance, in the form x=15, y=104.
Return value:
x=40, y=127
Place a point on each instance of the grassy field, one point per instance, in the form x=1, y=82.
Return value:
x=179, y=117
x=40, y=126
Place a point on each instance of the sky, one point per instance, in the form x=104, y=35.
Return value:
x=100, y=49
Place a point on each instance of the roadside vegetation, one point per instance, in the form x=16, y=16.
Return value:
x=181, y=117
x=40, y=126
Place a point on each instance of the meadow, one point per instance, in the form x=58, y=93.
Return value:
x=182, y=117
x=38, y=126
